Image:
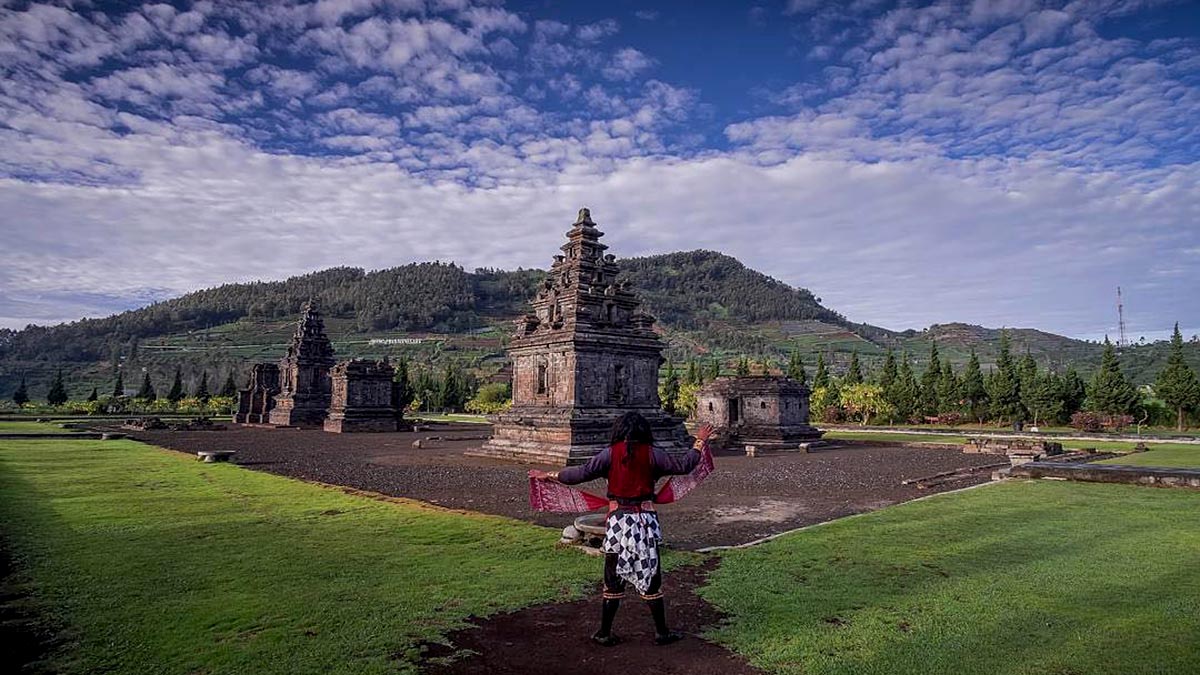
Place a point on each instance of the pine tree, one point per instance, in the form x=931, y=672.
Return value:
x=795, y=369
x=743, y=367
x=58, y=391
x=714, y=369
x=853, y=371
x=147, y=393
x=404, y=389
x=668, y=392
x=21, y=395
x=176, y=393
x=887, y=375
x=693, y=376
x=821, y=379
x=948, y=389
x=764, y=364
x=1005, y=386
x=1074, y=393
x=94, y=396
x=1043, y=397
x=1109, y=391
x=119, y=385
x=929, y=382
x=906, y=391
x=1176, y=384
x=202, y=394
x=1028, y=372
x=974, y=392
x=229, y=389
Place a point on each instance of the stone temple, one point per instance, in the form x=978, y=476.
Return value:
x=305, y=386
x=761, y=411
x=584, y=355
x=363, y=397
x=256, y=401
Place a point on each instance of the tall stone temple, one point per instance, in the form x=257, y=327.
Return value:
x=584, y=355
x=304, y=381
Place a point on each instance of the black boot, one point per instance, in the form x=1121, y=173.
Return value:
x=662, y=634
x=608, y=611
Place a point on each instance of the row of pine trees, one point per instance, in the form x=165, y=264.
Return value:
x=1015, y=390
x=56, y=395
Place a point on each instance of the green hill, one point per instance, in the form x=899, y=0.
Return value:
x=709, y=306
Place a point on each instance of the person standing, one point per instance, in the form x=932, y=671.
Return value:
x=631, y=465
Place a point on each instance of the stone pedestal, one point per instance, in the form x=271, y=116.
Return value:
x=582, y=357
x=362, y=399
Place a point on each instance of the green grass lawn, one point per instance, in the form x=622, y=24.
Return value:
x=1184, y=457
x=452, y=417
x=29, y=427
x=151, y=562
x=1108, y=446
x=1030, y=577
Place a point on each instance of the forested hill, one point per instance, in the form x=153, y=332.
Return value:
x=689, y=290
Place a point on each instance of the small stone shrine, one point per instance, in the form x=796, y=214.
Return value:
x=256, y=401
x=760, y=411
x=304, y=374
x=362, y=397
x=584, y=355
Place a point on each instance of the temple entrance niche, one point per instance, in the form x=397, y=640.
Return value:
x=583, y=355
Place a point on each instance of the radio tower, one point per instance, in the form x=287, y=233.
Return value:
x=1121, y=341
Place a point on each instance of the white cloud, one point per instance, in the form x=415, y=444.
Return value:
x=626, y=64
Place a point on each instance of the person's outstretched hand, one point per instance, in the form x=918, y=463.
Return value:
x=542, y=475
x=704, y=432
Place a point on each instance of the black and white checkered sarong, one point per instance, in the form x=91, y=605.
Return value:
x=634, y=537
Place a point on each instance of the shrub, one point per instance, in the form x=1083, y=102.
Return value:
x=1087, y=421
x=490, y=399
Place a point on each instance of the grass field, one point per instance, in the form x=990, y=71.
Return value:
x=23, y=427
x=1183, y=457
x=1031, y=577
x=152, y=562
x=1107, y=446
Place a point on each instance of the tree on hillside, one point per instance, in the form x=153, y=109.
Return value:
x=94, y=396
x=119, y=385
x=795, y=369
x=21, y=395
x=175, y=395
x=714, y=370
x=863, y=401
x=58, y=391
x=764, y=364
x=202, y=390
x=853, y=371
x=743, y=367
x=693, y=376
x=229, y=389
x=887, y=374
x=147, y=393
x=668, y=391
x=1109, y=391
x=1004, y=386
x=974, y=393
x=821, y=379
x=929, y=381
x=1176, y=384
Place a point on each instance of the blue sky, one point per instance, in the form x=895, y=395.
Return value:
x=1007, y=163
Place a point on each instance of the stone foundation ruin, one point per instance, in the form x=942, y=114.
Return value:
x=760, y=412
x=583, y=356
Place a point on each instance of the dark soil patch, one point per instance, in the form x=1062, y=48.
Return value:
x=745, y=499
x=556, y=638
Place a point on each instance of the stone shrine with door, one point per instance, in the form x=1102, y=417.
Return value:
x=256, y=401
x=761, y=411
x=585, y=354
x=363, y=397
x=305, y=386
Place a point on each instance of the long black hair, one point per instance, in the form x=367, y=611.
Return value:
x=631, y=428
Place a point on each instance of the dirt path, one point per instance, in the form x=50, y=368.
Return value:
x=555, y=639
x=745, y=499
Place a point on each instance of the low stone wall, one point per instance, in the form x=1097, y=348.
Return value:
x=1110, y=473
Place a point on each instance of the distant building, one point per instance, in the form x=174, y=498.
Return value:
x=763, y=411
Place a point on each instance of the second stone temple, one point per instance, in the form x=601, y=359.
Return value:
x=583, y=356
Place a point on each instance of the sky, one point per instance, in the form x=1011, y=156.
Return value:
x=1003, y=162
